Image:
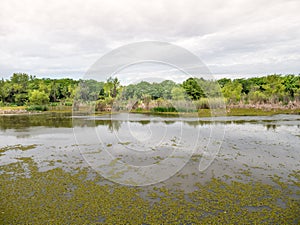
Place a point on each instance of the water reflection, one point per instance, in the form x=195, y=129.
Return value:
x=113, y=122
x=271, y=126
x=261, y=142
x=45, y=119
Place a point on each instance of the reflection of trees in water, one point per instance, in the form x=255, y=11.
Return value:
x=271, y=126
x=65, y=120
x=144, y=122
x=196, y=123
x=114, y=125
x=110, y=124
x=45, y=120
x=169, y=122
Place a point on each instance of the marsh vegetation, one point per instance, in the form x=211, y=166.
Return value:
x=44, y=178
x=272, y=92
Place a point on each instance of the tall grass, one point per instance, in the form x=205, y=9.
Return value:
x=209, y=103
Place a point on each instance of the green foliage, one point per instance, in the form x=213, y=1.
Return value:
x=53, y=104
x=292, y=85
x=38, y=98
x=112, y=87
x=223, y=81
x=257, y=96
x=193, y=88
x=68, y=103
x=232, y=91
x=104, y=104
x=88, y=90
x=22, y=89
x=172, y=109
x=155, y=90
x=37, y=108
x=4, y=90
x=164, y=109
x=178, y=93
x=18, y=88
x=166, y=88
x=274, y=88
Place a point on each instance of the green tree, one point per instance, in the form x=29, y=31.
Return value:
x=54, y=91
x=193, y=89
x=38, y=98
x=4, y=90
x=19, y=88
x=223, y=81
x=178, y=93
x=292, y=84
x=232, y=91
x=166, y=88
x=115, y=88
x=257, y=96
x=137, y=90
x=274, y=88
x=111, y=87
x=88, y=90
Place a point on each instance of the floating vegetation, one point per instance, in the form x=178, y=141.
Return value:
x=195, y=157
x=60, y=197
x=18, y=147
x=124, y=143
x=54, y=185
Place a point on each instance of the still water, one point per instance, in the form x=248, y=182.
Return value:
x=263, y=145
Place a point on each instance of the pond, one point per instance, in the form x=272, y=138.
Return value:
x=175, y=169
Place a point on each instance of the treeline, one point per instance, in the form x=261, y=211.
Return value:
x=22, y=89
x=269, y=89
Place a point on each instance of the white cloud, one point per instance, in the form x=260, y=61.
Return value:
x=63, y=38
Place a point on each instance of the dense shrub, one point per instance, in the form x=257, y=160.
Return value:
x=172, y=109
x=38, y=98
x=68, y=103
x=37, y=108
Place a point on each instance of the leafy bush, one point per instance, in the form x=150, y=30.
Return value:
x=104, y=104
x=172, y=109
x=38, y=98
x=54, y=104
x=68, y=103
x=139, y=109
x=37, y=108
x=164, y=109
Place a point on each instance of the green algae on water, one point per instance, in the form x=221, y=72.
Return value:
x=60, y=197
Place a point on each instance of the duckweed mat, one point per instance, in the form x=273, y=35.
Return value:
x=56, y=196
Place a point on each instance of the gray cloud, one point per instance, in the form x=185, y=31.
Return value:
x=63, y=38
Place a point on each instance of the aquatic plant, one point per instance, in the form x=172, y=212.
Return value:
x=60, y=197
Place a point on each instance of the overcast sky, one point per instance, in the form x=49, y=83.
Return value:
x=64, y=38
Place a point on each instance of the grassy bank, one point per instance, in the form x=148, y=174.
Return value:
x=200, y=113
x=7, y=108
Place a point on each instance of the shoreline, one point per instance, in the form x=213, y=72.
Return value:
x=232, y=110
